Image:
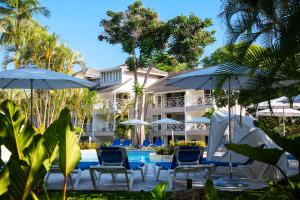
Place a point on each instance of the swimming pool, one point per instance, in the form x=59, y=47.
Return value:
x=133, y=155
x=138, y=155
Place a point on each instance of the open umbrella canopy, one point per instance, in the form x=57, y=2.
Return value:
x=279, y=112
x=32, y=77
x=135, y=122
x=210, y=77
x=204, y=120
x=166, y=121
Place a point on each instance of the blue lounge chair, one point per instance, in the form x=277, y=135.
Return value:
x=114, y=160
x=126, y=143
x=116, y=143
x=158, y=142
x=184, y=160
x=146, y=143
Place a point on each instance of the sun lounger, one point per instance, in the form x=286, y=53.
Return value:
x=116, y=143
x=158, y=143
x=126, y=143
x=185, y=160
x=114, y=160
x=146, y=143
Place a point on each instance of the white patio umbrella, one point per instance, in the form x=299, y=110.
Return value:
x=282, y=113
x=280, y=103
x=166, y=121
x=32, y=77
x=135, y=122
x=209, y=79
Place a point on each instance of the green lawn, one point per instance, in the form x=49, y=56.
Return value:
x=91, y=195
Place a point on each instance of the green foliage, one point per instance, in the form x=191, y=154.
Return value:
x=138, y=89
x=165, y=150
x=210, y=191
x=159, y=192
x=32, y=153
x=69, y=151
x=289, y=144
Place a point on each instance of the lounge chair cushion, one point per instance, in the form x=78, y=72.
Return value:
x=86, y=164
x=225, y=164
x=164, y=165
x=136, y=165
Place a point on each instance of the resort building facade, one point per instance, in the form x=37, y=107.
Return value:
x=115, y=90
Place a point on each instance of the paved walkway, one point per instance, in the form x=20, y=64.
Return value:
x=55, y=181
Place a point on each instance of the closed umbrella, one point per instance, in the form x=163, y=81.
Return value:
x=166, y=121
x=32, y=77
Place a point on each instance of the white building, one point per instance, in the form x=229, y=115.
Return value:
x=116, y=87
x=181, y=105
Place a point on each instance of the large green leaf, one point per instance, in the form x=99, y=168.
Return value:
x=69, y=151
x=4, y=181
x=25, y=175
x=289, y=144
x=16, y=132
x=269, y=156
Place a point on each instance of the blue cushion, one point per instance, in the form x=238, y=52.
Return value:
x=86, y=164
x=223, y=164
x=136, y=165
x=158, y=142
x=126, y=142
x=164, y=165
x=146, y=143
x=116, y=142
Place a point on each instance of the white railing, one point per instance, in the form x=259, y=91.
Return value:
x=197, y=127
x=203, y=100
x=111, y=104
x=169, y=127
x=99, y=127
x=174, y=102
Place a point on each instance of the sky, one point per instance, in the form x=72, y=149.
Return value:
x=77, y=23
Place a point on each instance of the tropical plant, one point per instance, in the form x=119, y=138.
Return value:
x=272, y=156
x=146, y=39
x=159, y=192
x=33, y=153
x=210, y=191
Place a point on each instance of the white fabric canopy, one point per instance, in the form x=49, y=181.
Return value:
x=286, y=112
x=204, y=120
x=281, y=102
x=135, y=122
x=244, y=132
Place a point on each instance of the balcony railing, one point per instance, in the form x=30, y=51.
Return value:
x=169, y=127
x=172, y=102
x=99, y=127
x=203, y=100
x=197, y=127
x=111, y=104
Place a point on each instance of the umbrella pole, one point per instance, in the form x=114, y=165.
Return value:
x=31, y=101
x=172, y=136
x=229, y=126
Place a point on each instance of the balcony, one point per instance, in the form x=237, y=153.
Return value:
x=199, y=103
x=111, y=104
x=178, y=129
x=100, y=129
x=197, y=128
x=172, y=102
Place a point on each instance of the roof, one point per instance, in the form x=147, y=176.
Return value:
x=154, y=71
x=161, y=85
x=111, y=88
x=88, y=73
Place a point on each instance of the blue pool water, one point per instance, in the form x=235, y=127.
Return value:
x=137, y=155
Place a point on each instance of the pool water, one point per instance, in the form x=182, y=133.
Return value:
x=138, y=155
x=133, y=156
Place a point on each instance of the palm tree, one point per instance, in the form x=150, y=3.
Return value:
x=274, y=24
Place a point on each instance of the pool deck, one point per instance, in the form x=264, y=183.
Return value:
x=55, y=181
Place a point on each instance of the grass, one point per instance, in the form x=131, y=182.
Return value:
x=124, y=195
